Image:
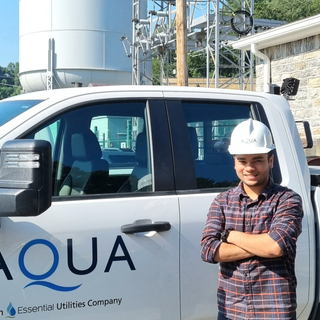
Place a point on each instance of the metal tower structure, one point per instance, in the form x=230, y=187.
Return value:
x=212, y=26
x=50, y=73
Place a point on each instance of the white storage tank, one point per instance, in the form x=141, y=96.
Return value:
x=85, y=46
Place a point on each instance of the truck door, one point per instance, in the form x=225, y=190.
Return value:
x=108, y=248
x=210, y=167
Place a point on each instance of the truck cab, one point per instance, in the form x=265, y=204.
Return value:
x=119, y=237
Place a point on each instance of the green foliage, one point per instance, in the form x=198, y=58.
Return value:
x=156, y=67
x=9, y=80
x=197, y=65
x=286, y=10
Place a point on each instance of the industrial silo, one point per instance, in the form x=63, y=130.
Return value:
x=63, y=42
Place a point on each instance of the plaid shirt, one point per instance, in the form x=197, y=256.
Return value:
x=256, y=288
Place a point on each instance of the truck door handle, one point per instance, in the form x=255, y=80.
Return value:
x=145, y=225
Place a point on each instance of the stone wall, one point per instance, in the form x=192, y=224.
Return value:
x=301, y=60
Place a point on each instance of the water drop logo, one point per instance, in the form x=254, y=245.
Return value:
x=39, y=278
x=11, y=311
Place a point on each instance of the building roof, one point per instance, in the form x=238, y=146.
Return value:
x=287, y=33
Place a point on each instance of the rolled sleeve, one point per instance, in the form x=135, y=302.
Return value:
x=287, y=223
x=211, y=234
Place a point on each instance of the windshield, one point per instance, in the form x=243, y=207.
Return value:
x=11, y=109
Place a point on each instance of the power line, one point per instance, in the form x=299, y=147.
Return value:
x=7, y=77
x=8, y=85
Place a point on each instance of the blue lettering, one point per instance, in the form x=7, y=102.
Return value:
x=4, y=267
x=38, y=279
x=126, y=256
x=94, y=258
x=54, y=264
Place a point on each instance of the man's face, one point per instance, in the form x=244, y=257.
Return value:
x=253, y=169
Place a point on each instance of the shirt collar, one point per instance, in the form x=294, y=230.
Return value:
x=267, y=191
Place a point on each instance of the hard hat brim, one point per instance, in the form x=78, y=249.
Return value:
x=250, y=150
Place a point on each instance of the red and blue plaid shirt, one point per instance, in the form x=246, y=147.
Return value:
x=256, y=288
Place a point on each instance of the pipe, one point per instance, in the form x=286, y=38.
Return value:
x=266, y=67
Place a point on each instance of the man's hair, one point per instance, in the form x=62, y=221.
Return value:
x=270, y=154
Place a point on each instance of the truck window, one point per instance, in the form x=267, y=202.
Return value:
x=210, y=127
x=99, y=149
x=48, y=133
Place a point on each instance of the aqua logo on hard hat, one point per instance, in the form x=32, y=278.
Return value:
x=250, y=137
x=248, y=140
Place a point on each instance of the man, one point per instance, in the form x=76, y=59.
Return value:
x=252, y=231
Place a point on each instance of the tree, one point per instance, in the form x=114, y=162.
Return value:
x=9, y=80
x=286, y=10
x=197, y=64
x=156, y=66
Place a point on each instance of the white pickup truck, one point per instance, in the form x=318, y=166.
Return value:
x=104, y=193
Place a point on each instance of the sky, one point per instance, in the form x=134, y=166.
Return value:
x=9, y=32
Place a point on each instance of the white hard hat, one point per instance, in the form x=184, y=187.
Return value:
x=250, y=137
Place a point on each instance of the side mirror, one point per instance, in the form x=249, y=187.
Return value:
x=305, y=134
x=25, y=178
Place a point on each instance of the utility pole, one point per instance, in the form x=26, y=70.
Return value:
x=182, y=62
